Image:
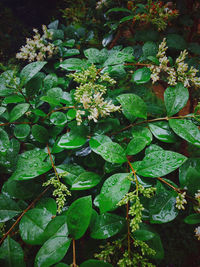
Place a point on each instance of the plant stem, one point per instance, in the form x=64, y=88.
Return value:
x=15, y=122
x=129, y=232
x=74, y=254
x=152, y=120
x=135, y=176
x=19, y=218
x=52, y=163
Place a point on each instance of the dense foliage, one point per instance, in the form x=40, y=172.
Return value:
x=100, y=140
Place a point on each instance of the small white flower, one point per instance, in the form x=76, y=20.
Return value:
x=180, y=201
x=197, y=232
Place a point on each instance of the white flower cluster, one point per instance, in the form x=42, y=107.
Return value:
x=100, y=4
x=180, y=201
x=89, y=95
x=197, y=197
x=197, y=232
x=37, y=48
x=179, y=73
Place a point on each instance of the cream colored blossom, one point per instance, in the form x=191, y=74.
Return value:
x=180, y=201
x=197, y=232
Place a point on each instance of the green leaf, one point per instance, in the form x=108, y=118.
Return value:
x=58, y=118
x=149, y=49
x=40, y=133
x=71, y=172
x=119, y=9
x=47, y=203
x=31, y=164
x=18, y=111
x=8, y=208
x=156, y=244
x=33, y=224
x=136, y=145
x=30, y=70
x=141, y=131
x=117, y=57
x=189, y=175
x=20, y=189
x=112, y=152
x=144, y=233
x=176, y=41
x=11, y=254
x=162, y=207
x=35, y=84
x=113, y=190
x=78, y=216
x=13, y=99
x=107, y=225
x=162, y=131
x=21, y=131
x=93, y=55
x=175, y=98
x=95, y=263
x=50, y=81
x=85, y=180
x=4, y=141
x=159, y=163
x=153, y=148
x=192, y=219
x=7, y=86
x=141, y=76
x=73, y=64
x=52, y=251
x=71, y=53
x=56, y=227
x=133, y=104
x=98, y=140
x=186, y=130
x=71, y=114
x=127, y=18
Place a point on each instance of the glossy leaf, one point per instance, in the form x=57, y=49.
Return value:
x=52, y=251
x=73, y=64
x=175, y=98
x=8, y=208
x=162, y=207
x=33, y=224
x=95, y=263
x=31, y=164
x=56, y=227
x=192, y=218
x=189, y=175
x=58, y=118
x=71, y=172
x=78, y=216
x=159, y=163
x=112, y=152
x=156, y=244
x=142, y=75
x=136, y=145
x=141, y=131
x=162, y=131
x=18, y=111
x=21, y=131
x=133, y=104
x=71, y=140
x=85, y=180
x=30, y=70
x=113, y=190
x=98, y=140
x=48, y=203
x=4, y=141
x=144, y=233
x=107, y=225
x=186, y=130
x=11, y=254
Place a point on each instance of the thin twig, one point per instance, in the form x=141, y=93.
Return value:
x=15, y=122
x=74, y=254
x=152, y=120
x=52, y=163
x=19, y=218
x=135, y=176
x=129, y=232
